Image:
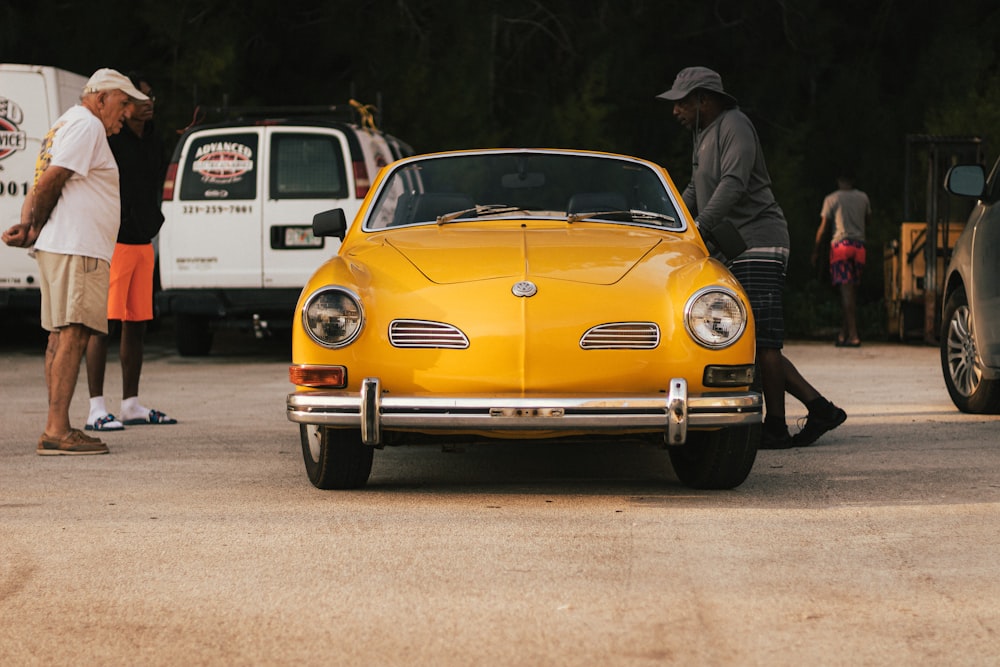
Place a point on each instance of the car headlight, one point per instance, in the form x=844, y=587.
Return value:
x=715, y=317
x=333, y=316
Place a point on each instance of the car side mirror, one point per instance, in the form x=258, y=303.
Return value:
x=330, y=223
x=966, y=180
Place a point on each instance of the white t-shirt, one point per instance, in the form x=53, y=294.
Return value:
x=85, y=219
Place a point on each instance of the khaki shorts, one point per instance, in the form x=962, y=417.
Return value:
x=74, y=291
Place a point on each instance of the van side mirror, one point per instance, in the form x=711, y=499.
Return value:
x=330, y=223
x=966, y=180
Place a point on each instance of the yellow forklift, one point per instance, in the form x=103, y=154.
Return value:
x=915, y=262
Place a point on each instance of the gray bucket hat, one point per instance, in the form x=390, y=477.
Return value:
x=691, y=79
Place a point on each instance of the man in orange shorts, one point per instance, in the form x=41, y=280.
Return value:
x=139, y=154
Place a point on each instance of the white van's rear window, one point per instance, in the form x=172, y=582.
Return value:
x=221, y=167
x=307, y=166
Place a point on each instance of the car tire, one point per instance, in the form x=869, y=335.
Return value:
x=969, y=390
x=719, y=459
x=335, y=458
x=193, y=334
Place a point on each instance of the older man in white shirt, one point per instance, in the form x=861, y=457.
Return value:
x=71, y=217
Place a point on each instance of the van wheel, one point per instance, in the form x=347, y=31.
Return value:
x=719, y=459
x=193, y=334
x=969, y=390
x=335, y=458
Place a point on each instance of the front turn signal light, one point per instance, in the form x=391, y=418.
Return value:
x=329, y=377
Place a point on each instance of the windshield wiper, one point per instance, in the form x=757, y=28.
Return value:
x=653, y=215
x=633, y=215
x=479, y=210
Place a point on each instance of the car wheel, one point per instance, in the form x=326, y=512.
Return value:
x=719, y=459
x=193, y=334
x=335, y=458
x=969, y=390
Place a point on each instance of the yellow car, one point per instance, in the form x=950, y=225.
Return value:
x=523, y=294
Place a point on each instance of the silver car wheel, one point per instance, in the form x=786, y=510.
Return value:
x=314, y=434
x=961, y=353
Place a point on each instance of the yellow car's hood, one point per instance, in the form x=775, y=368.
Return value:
x=455, y=254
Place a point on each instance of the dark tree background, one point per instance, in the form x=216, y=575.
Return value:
x=830, y=86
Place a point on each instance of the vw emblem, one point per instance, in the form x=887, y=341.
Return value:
x=524, y=288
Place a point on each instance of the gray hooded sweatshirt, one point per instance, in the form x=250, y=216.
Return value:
x=730, y=182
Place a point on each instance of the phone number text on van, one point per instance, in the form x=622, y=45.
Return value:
x=232, y=209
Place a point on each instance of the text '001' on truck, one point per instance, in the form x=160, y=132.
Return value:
x=237, y=245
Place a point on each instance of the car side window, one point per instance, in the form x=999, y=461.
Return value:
x=221, y=166
x=307, y=166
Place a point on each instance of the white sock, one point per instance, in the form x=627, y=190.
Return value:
x=132, y=409
x=97, y=409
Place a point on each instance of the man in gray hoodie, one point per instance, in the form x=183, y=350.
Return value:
x=732, y=203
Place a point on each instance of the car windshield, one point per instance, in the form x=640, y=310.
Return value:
x=572, y=187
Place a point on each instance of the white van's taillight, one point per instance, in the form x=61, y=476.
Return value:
x=361, y=182
x=168, y=182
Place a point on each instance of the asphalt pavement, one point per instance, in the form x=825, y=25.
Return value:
x=203, y=542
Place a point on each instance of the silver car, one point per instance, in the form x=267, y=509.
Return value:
x=970, y=329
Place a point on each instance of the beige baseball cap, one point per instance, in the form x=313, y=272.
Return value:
x=109, y=79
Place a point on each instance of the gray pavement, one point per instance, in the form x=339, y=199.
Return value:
x=204, y=543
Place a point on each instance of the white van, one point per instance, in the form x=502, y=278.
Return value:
x=237, y=246
x=32, y=97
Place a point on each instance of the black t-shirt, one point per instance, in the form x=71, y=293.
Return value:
x=140, y=174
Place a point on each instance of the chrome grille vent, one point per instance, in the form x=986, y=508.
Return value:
x=621, y=336
x=423, y=334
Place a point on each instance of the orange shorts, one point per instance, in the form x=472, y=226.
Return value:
x=130, y=295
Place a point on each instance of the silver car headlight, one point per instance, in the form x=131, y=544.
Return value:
x=333, y=316
x=715, y=317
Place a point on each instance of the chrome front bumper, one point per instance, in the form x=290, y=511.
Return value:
x=673, y=412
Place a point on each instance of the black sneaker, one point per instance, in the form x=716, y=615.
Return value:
x=817, y=424
x=775, y=438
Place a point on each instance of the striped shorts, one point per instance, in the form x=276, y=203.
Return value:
x=761, y=272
